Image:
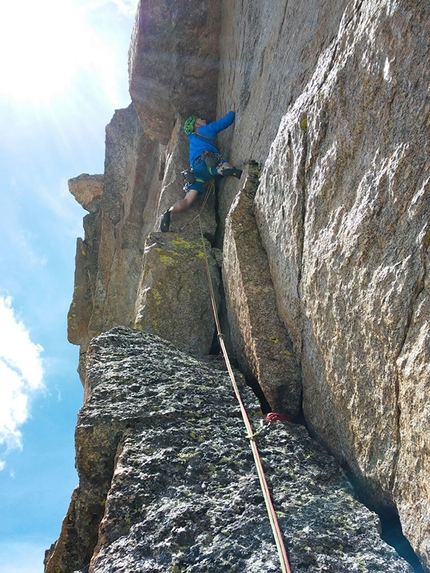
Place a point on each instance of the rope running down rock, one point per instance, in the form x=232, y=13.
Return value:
x=285, y=566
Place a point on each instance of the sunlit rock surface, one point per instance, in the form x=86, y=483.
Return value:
x=332, y=103
x=168, y=481
x=87, y=190
x=343, y=209
x=261, y=342
x=114, y=235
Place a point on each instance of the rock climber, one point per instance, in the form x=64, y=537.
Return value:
x=205, y=161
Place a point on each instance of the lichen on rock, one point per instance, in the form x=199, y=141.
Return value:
x=172, y=486
x=327, y=261
x=174, y=299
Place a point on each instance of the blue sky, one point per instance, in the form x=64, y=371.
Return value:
x=63, y=72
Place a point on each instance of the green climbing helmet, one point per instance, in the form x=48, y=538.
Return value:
x=189, y=124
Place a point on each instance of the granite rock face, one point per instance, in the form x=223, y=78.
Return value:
x=343, y=210
x=114, y=234
x=142, y=178
x=176, y=486
x=333, y=105
x=268, y=51
x=174, y=62
x=261, y=341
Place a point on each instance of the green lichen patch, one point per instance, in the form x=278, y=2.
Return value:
x=185, y=494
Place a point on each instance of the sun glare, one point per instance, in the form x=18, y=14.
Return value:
x=43, y=45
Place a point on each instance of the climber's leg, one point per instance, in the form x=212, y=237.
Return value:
x=184, y=203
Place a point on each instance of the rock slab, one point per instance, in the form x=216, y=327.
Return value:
x=174, y=299
x=262, y=345
x=167, y=479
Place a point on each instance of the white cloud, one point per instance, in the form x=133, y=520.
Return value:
x=21, y=375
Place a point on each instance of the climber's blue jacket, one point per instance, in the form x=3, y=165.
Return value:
x=198, y=146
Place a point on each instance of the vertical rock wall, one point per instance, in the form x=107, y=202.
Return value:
x=174, y=60
x=343, y=210
x=268, y=52
x=115, y=232
x=168, y=482
x=333, y=103
x=261, y=342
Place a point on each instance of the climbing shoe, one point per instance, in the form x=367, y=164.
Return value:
x=165, y=222
x=231, y=171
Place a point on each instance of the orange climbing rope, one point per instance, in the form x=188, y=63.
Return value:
x=285, y=565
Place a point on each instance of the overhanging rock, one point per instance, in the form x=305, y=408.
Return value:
x=173, y=62
x=87, y=190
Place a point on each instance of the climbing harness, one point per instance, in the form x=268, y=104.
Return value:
x=211, y=159
x=283, y=558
